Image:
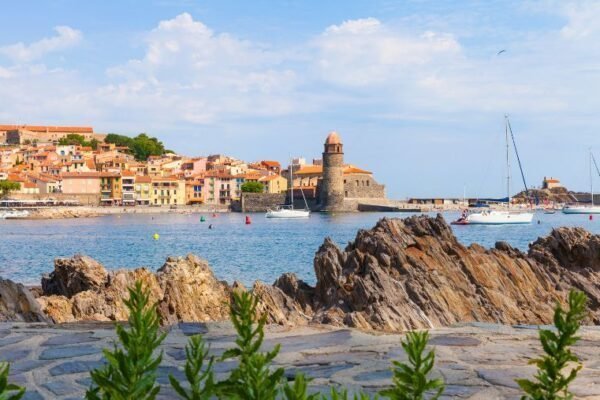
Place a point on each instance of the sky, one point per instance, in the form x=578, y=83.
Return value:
x=417, y=89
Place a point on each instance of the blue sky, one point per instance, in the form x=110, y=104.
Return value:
x=415, y=88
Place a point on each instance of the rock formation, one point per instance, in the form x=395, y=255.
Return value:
x=184, y=288
x=401, y=274
x=413, y=273
x=18, y=304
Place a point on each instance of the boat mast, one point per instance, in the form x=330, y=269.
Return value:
x=507, y=161
x=591, y=179
x=292, y=183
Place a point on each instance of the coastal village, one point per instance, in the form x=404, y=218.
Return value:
x=74, y=165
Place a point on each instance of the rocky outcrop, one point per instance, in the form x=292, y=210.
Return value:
x=184, y=289
x=401, y=274
x=74, y=275
x=18, y=304
x=413, y=273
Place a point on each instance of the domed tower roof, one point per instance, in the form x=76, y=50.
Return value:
x=333, y=138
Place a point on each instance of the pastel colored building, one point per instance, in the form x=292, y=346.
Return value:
x=143, y=190
x=168, y=190
x=80, y=182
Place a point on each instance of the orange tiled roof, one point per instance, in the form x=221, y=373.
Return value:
x=90, y=174
x=52, y=129
x=318, y=169
x=143, y=179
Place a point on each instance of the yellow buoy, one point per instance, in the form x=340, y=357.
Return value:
x=156, y=236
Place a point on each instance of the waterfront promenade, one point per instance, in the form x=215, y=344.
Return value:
x=477, y=361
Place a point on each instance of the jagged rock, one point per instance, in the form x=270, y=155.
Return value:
x=18, y=304
x=297, y=289
x=277, y=306
x=58, y=308
x=191, y=292
x=413, y=273
x=74, y=275
x=185, y=289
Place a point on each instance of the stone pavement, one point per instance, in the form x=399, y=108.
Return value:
x=477, y=361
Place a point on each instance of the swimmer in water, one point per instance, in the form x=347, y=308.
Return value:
x=210, y=226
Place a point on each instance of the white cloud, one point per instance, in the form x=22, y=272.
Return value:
x=365, y=52
x=66, y=37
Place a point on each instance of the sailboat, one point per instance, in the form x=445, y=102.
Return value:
x=500, y=217
x=585, y=208
x=288, y=211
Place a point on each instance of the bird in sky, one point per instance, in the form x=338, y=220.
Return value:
x=501, y=51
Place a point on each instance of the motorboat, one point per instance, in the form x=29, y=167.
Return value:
x=13, y=214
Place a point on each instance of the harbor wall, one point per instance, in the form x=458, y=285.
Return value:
x=258, y=202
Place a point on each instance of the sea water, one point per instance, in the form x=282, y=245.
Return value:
x=262, y=250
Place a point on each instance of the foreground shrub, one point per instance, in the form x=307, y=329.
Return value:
x=410, y=380
x=200, y=380
x=253, y=378
x=550, y=383
x=130, y=372
x=8, y=391
x=299, y=390
x=342, y=394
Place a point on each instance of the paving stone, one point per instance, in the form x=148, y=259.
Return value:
x=317, y=371
x=190, y=328
x=60, y=388
x=54, y=353
x=75, y=367
x=13, y=355
x=73, y=338
x=374, y=375
x=163, y=374
x=306, y=342
x=85, y=382
x=454, y=341
x=12, y=340
x=27, y=365
x=505, y=376
x=32, y=395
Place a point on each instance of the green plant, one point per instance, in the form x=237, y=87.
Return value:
x=342, y=394
x=8, y=391
x=8, y=186
x=252, y=187
x=130, y=372
x=549, y=382
x=253, y=378
x=299, y=390
x=201, y=381
x=410, y=380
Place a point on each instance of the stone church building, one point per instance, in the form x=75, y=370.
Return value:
x=334, y=185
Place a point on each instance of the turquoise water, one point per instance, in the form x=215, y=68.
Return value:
x=263, y=250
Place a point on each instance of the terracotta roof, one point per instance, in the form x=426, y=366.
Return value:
x=90, y=174
x=318, y=169
x=30, y=185
x=270, y=163
x=143, y=179
x=53, y=129
x=127, y=173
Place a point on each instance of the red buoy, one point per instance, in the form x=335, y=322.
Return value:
x=248, y=221
x=591, y=217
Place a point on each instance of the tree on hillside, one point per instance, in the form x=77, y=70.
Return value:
x=8, y=186
x=253, y=187
x=73, y=139
x=142, y=146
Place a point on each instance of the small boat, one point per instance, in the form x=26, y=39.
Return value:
x=14, y=214
x=549, y=211
x=585, y=208
x=500, y=217
x=288, y=211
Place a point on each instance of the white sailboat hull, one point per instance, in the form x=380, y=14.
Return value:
x=495, y=217
x=578, y=209
x=287, y=213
